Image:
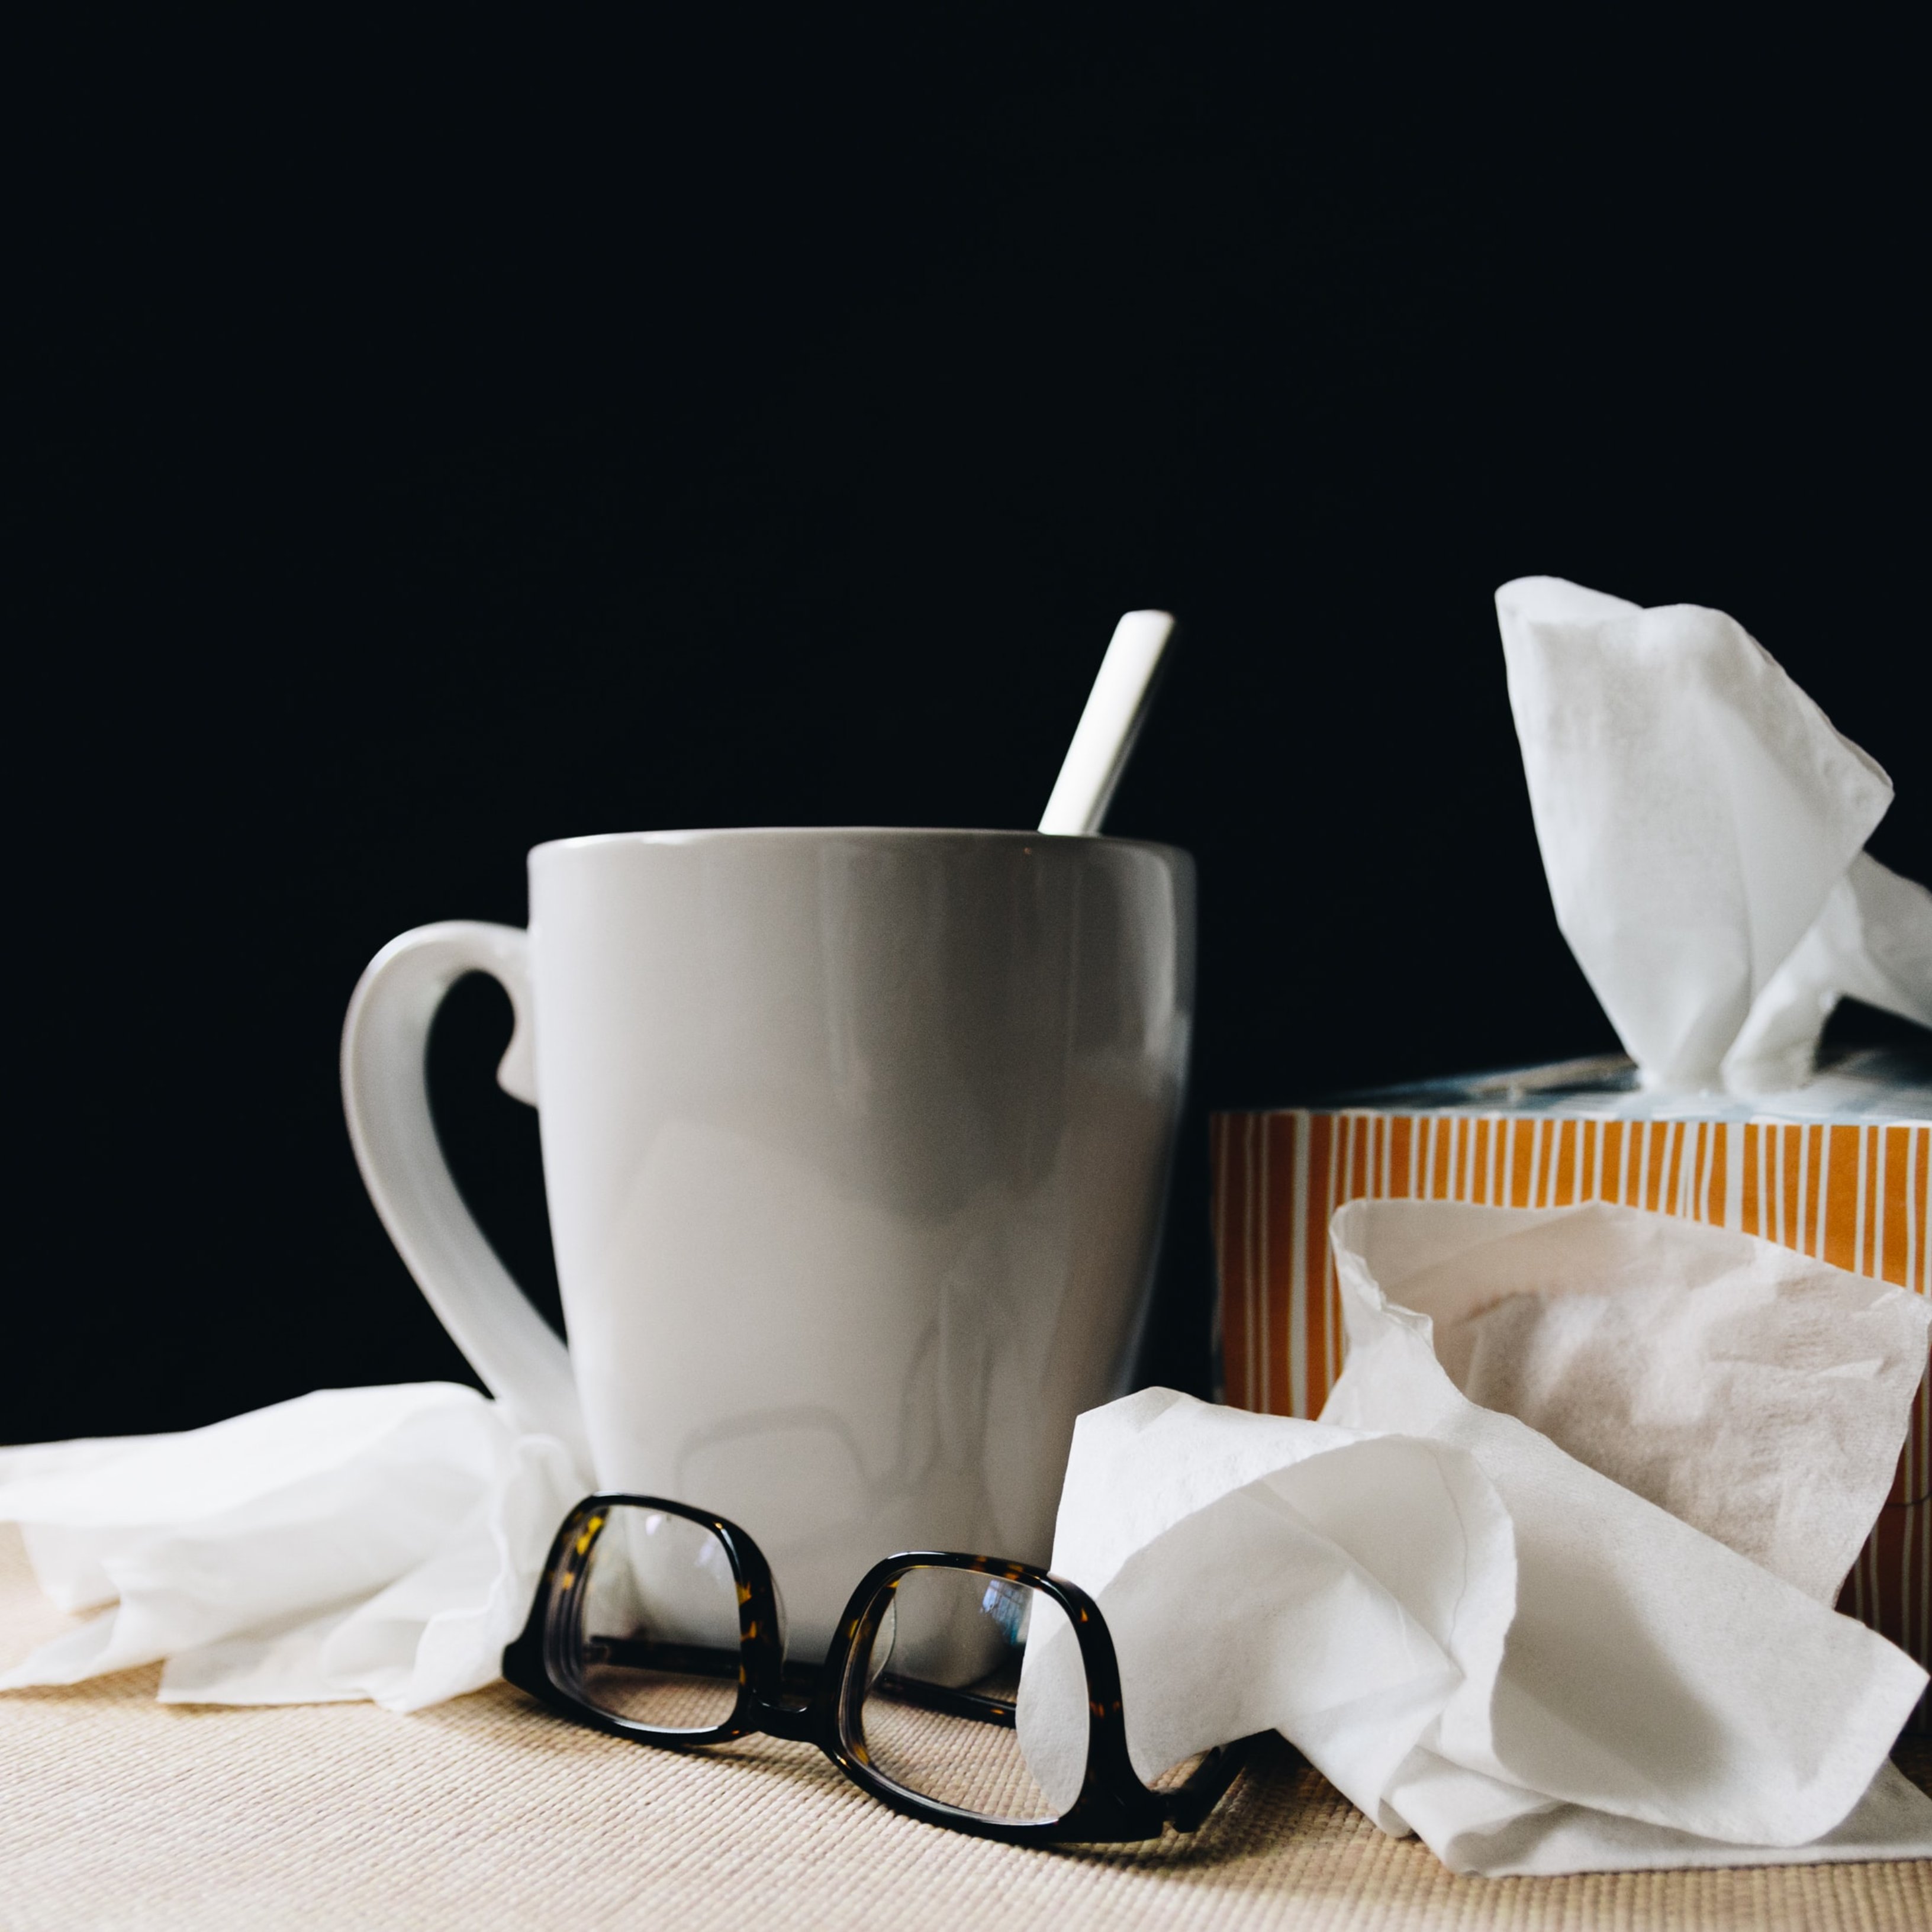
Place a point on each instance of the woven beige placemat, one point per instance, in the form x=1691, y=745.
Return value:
x=116, y=1811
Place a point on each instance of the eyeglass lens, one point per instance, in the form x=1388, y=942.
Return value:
x=949, y=1710
x=657, y=1640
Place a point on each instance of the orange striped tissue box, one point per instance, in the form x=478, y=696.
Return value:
x=1839, y=1171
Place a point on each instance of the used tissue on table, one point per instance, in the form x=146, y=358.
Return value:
x=371, y=1542
x=1851, y=1185
x=1612, y=1652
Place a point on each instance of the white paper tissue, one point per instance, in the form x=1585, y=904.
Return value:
x=372, y=1543
x=1701, y=824
x=1473, y=1634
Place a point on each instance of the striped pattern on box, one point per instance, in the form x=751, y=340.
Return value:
x=1854, y=1194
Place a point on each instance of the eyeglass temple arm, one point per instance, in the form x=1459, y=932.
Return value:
x=1188, y=1807
x=801, y=1679
x=699, y=1660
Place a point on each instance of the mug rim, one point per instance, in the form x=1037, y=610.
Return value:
x=584, y=842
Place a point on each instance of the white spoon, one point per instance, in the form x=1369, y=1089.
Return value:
x=1104, y=740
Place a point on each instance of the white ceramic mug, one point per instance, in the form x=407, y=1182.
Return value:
x=855, y=1144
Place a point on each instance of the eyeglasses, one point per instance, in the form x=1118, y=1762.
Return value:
x=973, y=1693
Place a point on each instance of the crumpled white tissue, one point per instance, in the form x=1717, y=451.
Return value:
x=1536, y=1664
x=1701, y=824
x=372, y=1543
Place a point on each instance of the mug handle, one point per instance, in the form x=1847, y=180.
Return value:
x=386, y=1097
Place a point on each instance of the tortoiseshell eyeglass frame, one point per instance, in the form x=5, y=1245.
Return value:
x=823, y=1706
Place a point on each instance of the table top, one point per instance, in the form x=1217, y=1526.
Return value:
x=485, y=1812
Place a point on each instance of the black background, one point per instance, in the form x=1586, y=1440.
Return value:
x=430, y=450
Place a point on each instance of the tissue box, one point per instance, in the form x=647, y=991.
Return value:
x=1838, y=1170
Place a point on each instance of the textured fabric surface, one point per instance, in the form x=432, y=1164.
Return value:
x=116, y=1811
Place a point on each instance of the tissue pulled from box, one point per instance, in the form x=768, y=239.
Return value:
x=1701, y=824
x=1610, y=1649
x=373, y=1543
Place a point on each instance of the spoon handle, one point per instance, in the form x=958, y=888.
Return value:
x=1108, y=726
